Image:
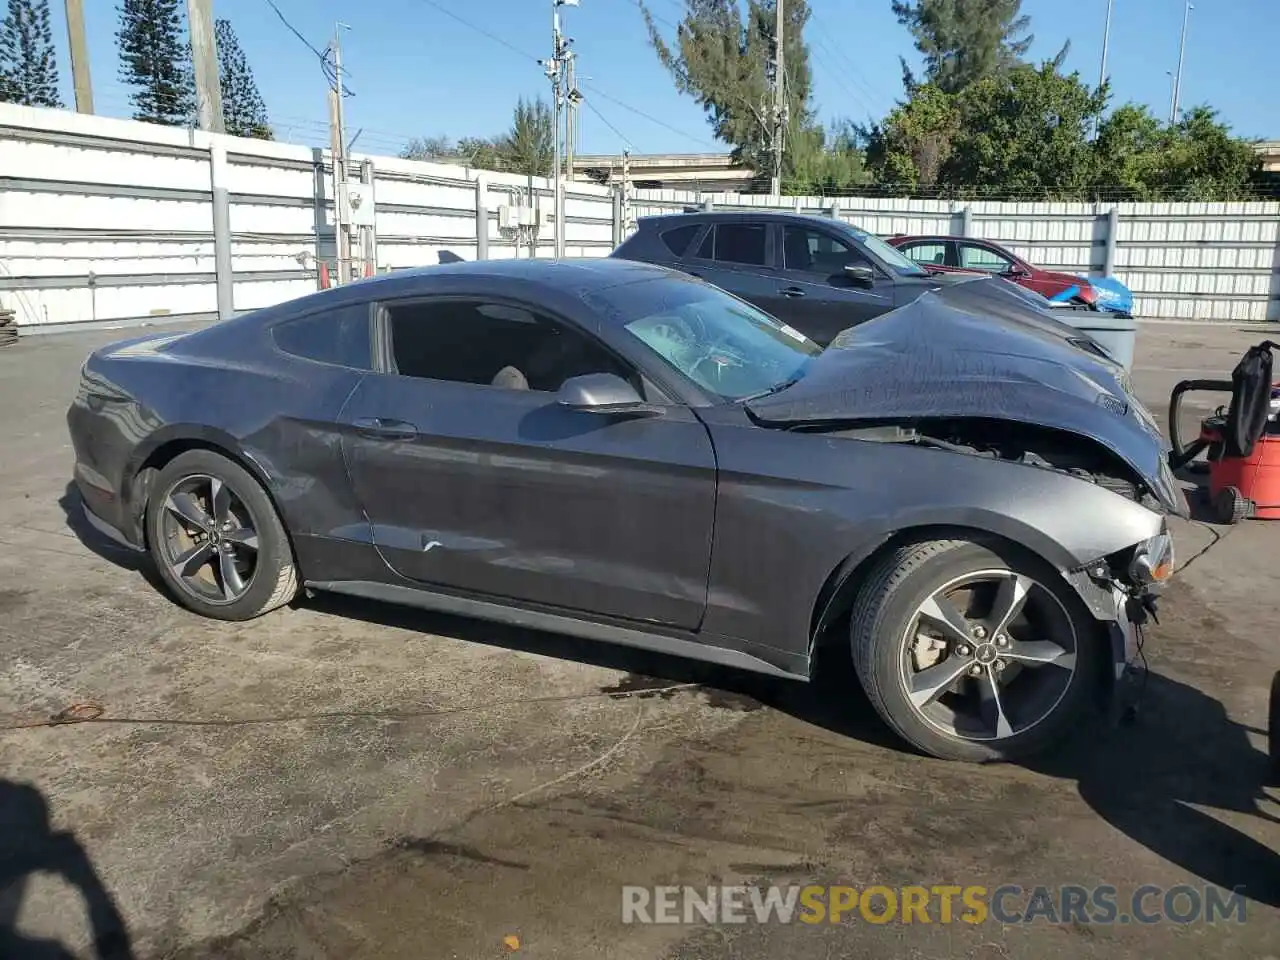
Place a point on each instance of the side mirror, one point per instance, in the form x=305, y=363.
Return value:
x=605, y=393
x=1016, y=273
x=862, y=276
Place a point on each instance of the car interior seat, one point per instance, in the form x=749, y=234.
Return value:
x=510, y=378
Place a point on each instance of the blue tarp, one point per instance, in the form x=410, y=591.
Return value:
x=1113, y=295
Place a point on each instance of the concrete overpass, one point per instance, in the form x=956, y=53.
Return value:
x=715, y=172
x=710, y=172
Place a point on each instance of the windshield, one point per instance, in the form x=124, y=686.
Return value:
x=727, y=347
x=890, y=255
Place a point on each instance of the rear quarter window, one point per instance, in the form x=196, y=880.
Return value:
x=677, y=239
x=339, y=337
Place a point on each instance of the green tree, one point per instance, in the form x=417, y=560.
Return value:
x=244, y=114
x=910, y=147
x=428, y=148
x=721, y=57
x=1128, y=152
x=155, y=59
x=825, y=162
x=1025, y=131
x=529, y=146
x=28, y=69
x=962, y=41
x=1196, y=159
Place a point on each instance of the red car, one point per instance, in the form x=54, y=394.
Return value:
x=970, y=255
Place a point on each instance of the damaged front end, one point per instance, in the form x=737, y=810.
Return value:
x=933, y=376
x=1122, y=591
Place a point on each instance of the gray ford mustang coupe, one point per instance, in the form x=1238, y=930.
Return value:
x=627, y=454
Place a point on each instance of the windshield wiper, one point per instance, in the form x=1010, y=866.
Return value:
x=777, y=388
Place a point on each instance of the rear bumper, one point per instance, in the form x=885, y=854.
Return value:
x=103, y=508
x=107, y=530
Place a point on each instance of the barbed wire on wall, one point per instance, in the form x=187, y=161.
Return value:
x=1096, y=193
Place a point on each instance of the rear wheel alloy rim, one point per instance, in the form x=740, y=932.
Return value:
x=208, y=539
x=988, y=656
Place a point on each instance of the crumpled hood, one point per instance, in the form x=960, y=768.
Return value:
x=932, y=358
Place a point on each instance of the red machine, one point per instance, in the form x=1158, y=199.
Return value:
x=1242, y=440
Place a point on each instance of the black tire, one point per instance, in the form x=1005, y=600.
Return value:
x=886, y=608
x=274, y=579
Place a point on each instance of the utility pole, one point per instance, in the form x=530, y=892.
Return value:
x=1182, y=50
x=779, y=99
x=79, y=56
x=555, y=68
x=626, y=192
x=571, y=115
x=204, y=56
x=338, y=147
x=1102, y=74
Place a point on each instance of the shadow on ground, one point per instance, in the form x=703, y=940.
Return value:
x=103, y=546
x=28, y=845
x=1147, y=779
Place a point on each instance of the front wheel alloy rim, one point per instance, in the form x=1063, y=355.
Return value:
x=988, y=656
x=208, y=539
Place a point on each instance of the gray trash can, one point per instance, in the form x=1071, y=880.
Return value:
x=1114, y=332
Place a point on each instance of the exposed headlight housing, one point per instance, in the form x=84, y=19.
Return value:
x=1152, y=561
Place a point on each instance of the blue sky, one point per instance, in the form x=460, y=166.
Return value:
x=417, y=71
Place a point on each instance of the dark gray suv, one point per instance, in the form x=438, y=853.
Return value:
x=820, y=274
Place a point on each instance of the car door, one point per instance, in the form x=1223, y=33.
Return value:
x=933, y=254
x=476, y=480
x=816, y=294
x=735, y=255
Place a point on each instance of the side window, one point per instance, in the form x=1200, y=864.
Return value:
x=339, y=336
x=814, y=251
x=678, y=239
x=980, y=258
x=492, y=344
x=930, y=253
x=741, y=243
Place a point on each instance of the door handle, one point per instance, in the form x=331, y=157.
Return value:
x=792, y=292
x=382, y=428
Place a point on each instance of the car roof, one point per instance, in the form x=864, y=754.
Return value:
x=569, y=278
x=940, y=236
x=711, y=216
x=570, y=274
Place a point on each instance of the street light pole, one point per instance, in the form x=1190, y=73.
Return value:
x=1102, y=74
x=1182, y=50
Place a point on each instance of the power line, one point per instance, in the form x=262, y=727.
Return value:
x=528, y=56
x=292, y=29
x=480, y=30
x=652, y=119
x=326, y=62
x=835, y=51
x=605, y=120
